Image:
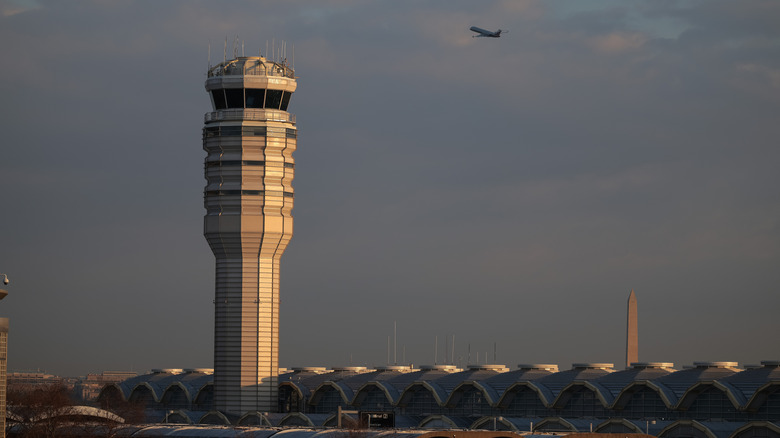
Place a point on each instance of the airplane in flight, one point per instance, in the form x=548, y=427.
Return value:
x=485, y=33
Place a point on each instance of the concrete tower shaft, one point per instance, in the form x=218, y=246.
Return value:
x=249, y=138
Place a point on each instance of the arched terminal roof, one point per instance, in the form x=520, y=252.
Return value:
x=612, y=384
x=673, y=386
x=425, y=373
x=551, y=385
x=157, y=381
x=608, y=387
x=307, y=380
x=348, y=385
x=653, y=427
x=508, y=383
x=525, y=372
x=184, y=416
x=351, y=385
x=698, y=429
x=501, y=423
x=753, y=392
x=758, y=429
x=297, y=419
x=87, y=413
x=751, y=386
x=558, y=424
x=191, y=381
x=447, y=385
x=444, y=422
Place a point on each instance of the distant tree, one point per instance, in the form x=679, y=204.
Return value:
x=38, y=408
x=49, y=411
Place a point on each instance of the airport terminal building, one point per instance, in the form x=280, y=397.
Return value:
x=706, y=400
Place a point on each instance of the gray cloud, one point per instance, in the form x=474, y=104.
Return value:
x=508, y=192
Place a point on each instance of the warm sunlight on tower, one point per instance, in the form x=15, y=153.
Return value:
x=249, y=138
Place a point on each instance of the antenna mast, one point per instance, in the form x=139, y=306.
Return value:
x=395, y=343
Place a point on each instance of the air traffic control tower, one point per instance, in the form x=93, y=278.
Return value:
x=249, y=138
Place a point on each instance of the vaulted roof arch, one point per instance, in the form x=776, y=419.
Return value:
x=344, y=391
x=490, y=394
x=437, y=421
x=438, y=394
x=760, y=396
x=765, y=429
x=390, y=391
x=296, y=418
x=185, y=389
x=545, y=395
x=625, y=394
x=690, y=395
x=566, y=393
x=669, y=431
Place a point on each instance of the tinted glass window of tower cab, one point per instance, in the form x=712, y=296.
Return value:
x=250, y=98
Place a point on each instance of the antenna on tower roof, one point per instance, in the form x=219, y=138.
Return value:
x=224, y=52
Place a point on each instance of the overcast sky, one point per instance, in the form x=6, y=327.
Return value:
x=505, y=192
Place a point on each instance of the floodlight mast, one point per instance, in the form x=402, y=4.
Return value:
x=3, y=292
x=249, y=138
x=3, y=360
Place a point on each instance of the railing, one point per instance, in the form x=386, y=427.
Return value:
x=256, y=67
x=249, y=114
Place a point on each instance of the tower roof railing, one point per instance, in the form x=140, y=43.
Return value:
x=249, y=114
x=252, y=65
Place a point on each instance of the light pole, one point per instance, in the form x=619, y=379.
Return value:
x=3, y=359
